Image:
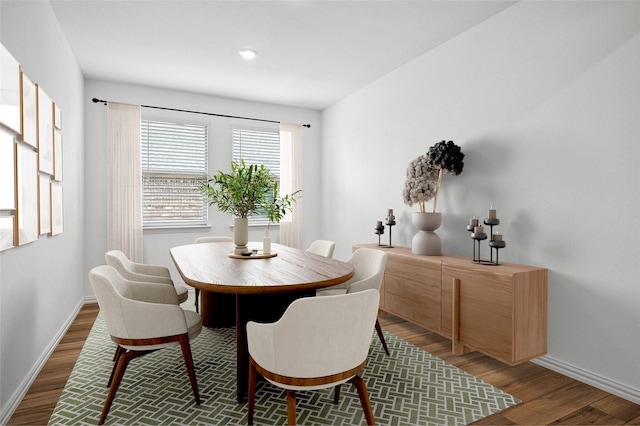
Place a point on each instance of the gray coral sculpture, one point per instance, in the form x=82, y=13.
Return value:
x=444, y=157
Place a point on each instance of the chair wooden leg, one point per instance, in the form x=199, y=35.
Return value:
x=336, y=394
x=121, y=366
x=188, y=360
x=381, y=336
x=252, y=391
x=119, y=352
x=364, y=398
x=291, y=407
x=197, y=300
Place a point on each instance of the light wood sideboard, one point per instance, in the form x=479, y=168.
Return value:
x=498, y=310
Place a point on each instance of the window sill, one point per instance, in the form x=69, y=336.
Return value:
x=260, y=224
x=163, y=229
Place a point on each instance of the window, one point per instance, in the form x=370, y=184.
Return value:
x=174, y=164
x=257, y=146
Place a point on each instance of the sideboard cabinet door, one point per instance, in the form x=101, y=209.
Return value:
x=498, y=310
x=412, y=289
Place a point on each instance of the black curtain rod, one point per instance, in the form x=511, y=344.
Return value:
x=96, y=100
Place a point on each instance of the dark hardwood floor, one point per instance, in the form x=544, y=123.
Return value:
x=38, y=404
x=548, y=397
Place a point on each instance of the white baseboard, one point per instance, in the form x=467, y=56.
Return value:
x=16, y=398
x=603, y=383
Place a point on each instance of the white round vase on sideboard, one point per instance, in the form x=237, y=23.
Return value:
x=426, y=241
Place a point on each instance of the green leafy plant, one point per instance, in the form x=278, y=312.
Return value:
x=241, y=192
x=277, y=206
x=248, y=190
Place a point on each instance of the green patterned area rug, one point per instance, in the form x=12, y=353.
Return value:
x=410, y=387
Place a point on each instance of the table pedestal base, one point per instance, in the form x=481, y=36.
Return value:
x=217, y=309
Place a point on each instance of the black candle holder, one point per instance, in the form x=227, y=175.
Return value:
x=390, y=221
x=496, y=245
x=379, y=231
x=493, y=244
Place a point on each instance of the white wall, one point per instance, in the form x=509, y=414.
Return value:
x=41, y=283
x=158, y=242
x=544, y=101
x=542, y=98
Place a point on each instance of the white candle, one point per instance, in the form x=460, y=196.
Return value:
x=473, y=221
x=478, y=229
x=497, y=237
x=379, y=223
x=492, y=213
x=390, y=212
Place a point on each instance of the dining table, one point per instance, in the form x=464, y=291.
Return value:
x=263, y=285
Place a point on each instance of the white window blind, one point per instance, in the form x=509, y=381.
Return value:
x=174, y=164
x=257, y=146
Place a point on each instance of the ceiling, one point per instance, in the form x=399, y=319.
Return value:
x=310, y=53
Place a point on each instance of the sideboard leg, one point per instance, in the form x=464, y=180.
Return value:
x=457, y=348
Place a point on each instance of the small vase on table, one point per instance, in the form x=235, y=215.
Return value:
x=266, y=242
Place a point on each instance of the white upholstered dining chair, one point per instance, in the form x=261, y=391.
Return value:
x=141, y=272
x=319, y=342
x=322, y=247
x=141, y=318
x=213, y=239
x=368, y=272
x=204, y=240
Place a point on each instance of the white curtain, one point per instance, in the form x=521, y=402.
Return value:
x=291, y=181
x=124, y=199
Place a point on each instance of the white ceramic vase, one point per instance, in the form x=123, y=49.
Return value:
x=241, y=234
x=266, y=243
x=426, y=241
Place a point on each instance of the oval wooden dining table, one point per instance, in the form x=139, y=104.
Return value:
x=263, y=287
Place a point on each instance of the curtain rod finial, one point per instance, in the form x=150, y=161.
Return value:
x=308, y=126
x=96, y=100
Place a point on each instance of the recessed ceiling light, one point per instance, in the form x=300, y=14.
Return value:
x=248, y=54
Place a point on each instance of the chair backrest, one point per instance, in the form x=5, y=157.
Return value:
x=322, y=248
x=110, y=287
x=368, y=269
x=214, y=239
x=120, y=261
x=317, y=336
x=137, y=271
x=125, y=315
